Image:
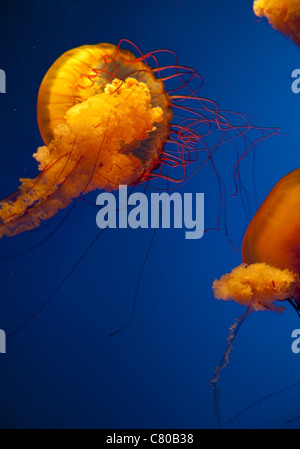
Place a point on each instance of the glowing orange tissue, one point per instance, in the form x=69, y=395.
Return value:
x=104, y=118
x=283, y=15
x=271, y=252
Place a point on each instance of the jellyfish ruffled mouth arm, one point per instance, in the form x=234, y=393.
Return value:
x=257, y=286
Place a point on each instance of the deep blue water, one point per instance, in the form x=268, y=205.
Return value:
x=62, y=369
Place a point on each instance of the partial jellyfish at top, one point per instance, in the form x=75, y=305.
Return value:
x=111, y=116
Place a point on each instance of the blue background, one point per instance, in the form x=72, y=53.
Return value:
x=62, y=369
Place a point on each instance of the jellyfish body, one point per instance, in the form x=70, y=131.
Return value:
x=283, y=15
x=270, y=252
x=102, y=127
x=257, y=286
x=107, y=119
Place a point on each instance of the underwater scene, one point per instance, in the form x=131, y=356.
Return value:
x=149, y=224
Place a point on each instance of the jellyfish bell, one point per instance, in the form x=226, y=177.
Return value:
x=270, y=252
x=85, y=71
x=283, y=15
x=273, y=234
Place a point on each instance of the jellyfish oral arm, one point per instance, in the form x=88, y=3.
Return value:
x=257, y=286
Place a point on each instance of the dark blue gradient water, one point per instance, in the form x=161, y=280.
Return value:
x=62, y=369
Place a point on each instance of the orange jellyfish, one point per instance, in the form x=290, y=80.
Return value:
x=108, y=119
x=270, y=272
x=283, y=15
x=270, y=252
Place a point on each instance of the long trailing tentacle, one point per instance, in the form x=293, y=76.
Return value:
x=234, y=329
